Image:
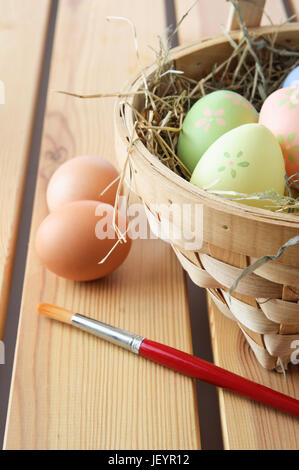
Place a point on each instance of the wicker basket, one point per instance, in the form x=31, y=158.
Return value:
x=266, y=303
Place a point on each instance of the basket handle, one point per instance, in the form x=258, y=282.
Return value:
x=252, y=12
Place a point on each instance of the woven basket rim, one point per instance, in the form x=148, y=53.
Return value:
x=125, y=123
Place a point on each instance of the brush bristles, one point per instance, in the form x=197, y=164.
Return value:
x=56, y=313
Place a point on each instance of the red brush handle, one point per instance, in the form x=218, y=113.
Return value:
x=202, y=370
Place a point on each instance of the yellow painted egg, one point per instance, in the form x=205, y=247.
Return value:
x=247, y=160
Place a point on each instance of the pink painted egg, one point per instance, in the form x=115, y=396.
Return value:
x=280, y=113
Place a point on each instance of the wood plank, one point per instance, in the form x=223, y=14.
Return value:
x=252, y=13
x=247, y=425
x=200, y=22
x=209, y=18
x=23, y=28
x=293, y=7
x=69, y=389
x=274, y=12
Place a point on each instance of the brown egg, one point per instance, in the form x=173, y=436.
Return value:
x=82, y=178
x=73, y=239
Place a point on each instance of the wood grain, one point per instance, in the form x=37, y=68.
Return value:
x=294, y=7
x=251, y=12
x=205, y=19
x=23, y=27
x=71, y=390
x=248, y=425
x=209, y=18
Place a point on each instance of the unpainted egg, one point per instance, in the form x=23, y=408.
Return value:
x=82, y=178
x=72, y=240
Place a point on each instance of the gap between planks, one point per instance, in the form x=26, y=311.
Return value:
x=14, y=300
x=24, y=24
x=159, y=409
x=245, y=424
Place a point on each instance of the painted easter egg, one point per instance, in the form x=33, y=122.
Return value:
x=208, y=119
x=292, y=79
x=280, y=113
x=247, y=160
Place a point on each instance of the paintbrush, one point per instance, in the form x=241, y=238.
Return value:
x=174, y=359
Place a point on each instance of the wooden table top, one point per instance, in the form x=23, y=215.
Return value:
x=69, y=390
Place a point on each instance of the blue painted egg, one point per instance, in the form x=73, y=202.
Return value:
x=292, y=79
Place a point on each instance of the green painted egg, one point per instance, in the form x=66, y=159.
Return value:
x=247, y=160
x=208, y=119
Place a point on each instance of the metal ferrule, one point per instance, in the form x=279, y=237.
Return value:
x=117, y=336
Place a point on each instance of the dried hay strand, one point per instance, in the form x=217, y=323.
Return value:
x=257, y=66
